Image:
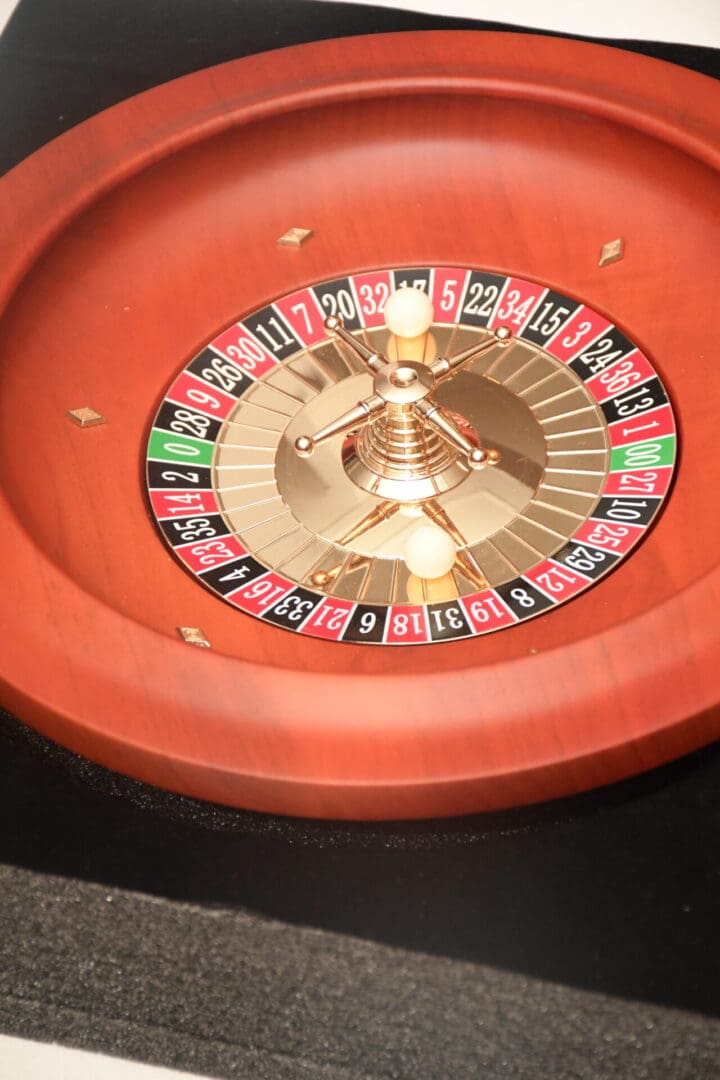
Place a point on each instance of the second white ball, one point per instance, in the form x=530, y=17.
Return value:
x=429, y=551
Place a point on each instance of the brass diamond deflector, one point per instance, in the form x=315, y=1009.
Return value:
x=85, y=417
x=612, y=252
x=193, y=636
x=295, y=237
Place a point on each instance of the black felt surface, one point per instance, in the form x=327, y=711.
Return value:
x=577, y=939
x=228, y=994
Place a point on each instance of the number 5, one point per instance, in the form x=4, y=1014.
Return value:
x=449, y=299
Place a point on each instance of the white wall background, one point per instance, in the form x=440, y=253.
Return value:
x=6, y=9
x=694, y=22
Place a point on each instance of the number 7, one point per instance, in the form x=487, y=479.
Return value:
x=303, y=307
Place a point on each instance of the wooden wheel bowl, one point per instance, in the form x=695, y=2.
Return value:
x=131, y=240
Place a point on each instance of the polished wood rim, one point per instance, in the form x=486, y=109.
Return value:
x=618, y=681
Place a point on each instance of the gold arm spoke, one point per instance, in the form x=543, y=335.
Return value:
x=432, y=509
x=373, y=360
x=464, y=561
x=445, y=367
x=470, y=570
x=431, y=413
x=357, y=416
x=323, y=578
x=379, y=514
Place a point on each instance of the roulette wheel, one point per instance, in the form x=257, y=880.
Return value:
x=357, y=411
